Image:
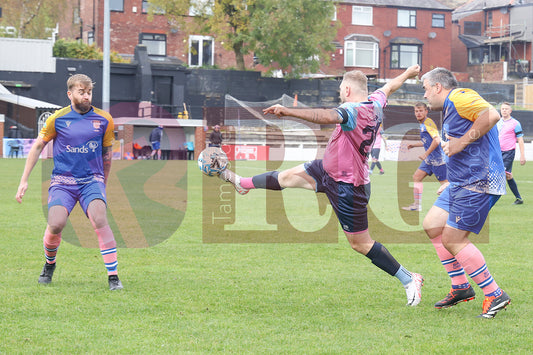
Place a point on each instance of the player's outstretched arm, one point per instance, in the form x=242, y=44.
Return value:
x=398, y=81
x=313, y=115
x=33, y=157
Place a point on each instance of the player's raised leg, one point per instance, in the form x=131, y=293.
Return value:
x=295, y=177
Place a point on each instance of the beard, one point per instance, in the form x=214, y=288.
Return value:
x=83, y=107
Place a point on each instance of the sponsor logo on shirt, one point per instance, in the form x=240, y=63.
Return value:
x=84, y=149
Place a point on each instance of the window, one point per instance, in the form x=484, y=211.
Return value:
x=156, y=44
x=437, y=20
x=405, y=55
x=472, y=28
x=483, y=55
x=406, y=18
x=116, y=5
x=361, y=54
x=201, y=51
x=201, y=7
x=146, y=6
x=362, y=15
x=90, y=37
x=489, y=19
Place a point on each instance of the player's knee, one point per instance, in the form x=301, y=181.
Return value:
x=55, y=226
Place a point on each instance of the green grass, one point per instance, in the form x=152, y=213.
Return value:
x=185, y=296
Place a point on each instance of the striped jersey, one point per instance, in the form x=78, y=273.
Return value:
x=78, y=141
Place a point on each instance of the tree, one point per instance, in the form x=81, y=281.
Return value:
x=299, y=36
x=290, y=35
x=32, y=18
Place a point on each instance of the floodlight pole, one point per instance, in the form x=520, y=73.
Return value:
x=106, y=75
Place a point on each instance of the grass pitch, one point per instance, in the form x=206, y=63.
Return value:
x=185, y=295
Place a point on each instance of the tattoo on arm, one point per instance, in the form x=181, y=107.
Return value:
x=107, y=153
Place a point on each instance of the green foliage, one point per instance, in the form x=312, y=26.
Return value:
x=294, y=36
x=298, y=36
x=80, y=50
x=185, y=296
x=32, y=18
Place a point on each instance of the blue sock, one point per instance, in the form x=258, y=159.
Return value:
x=404, y=275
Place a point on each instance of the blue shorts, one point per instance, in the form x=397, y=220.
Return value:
x=68, y=195
x=348, y=201
x=374, y=153
x=508, y=158
x=438, y=170
x=467, y=209
x=156, y=145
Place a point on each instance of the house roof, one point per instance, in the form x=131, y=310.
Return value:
x=7, y=96
x=475, y=6
x=417, y=4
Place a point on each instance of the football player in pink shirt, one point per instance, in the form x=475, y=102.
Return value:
x=343, y=172
x=510, y=132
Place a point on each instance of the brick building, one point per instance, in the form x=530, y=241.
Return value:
x=380, y=37
x=491, y=40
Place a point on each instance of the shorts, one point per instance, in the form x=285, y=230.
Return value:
x=374, y=153
x=439, y=170
x=68, y=195
x=467, y=209
x=156, y=145
x=348, y=201
x=508, y=158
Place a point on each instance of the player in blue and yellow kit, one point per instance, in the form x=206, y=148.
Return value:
x=433, y=159
x=83, y=137
x=476, y=181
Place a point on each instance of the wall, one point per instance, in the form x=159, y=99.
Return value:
x=488, y=72
x=29, y=55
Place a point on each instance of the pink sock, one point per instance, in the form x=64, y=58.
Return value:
x=474, y=263
x=451, y=265
x=108, y=249
x=51, y=244
x=246, y=183
x=417, y=192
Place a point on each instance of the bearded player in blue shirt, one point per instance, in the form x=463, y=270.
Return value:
x=83, y=138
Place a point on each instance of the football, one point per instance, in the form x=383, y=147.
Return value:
x=212, y=161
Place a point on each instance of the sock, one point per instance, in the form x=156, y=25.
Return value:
x=451, y=265
x=267, y=180
x=51, y=244
x=380, y=256
x=417, y=192
x=404, y=275
x=247, y=183
x=108, y=249
x=514, y=188
x=474, y=264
